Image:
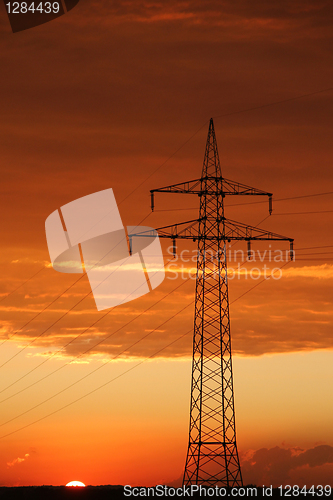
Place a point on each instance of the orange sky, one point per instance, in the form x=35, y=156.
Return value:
x=101, y=98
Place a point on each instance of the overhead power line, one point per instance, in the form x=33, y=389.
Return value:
x=281, y=199
x=282, y=101
x=81, y=333
x=84, y=352
x=312, y=248
x=125, y=350
x=304, y=213
x=254, y=203
x=232, y=113
x=22, y=284
x=216, y=312
x=244, y=110
x=249, y=109
x=120, y=375
x=98, y=388
x=58, y=297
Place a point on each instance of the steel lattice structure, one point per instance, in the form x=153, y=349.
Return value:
x=212, y=456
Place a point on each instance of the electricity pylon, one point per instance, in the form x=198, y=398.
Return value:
x=212, y=456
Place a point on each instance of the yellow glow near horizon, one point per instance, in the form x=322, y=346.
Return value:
x=76, y=483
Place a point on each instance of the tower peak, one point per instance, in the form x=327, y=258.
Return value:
x=211, y=165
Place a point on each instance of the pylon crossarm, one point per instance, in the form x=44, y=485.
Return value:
x=239, y=231
x=195, y=186
x=228, y=187
x=233, y=231
x=192, y=187
x=232, y=187
x=236, y=231
x=189, y=187
x=185, y=230
x=236, y=188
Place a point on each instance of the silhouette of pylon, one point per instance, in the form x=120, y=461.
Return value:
x=212, y=456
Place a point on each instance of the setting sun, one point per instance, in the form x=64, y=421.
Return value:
x=76, y=483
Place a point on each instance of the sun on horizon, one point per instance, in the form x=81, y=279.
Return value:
x=76, y=484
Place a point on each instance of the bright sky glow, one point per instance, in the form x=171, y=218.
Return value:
x=76, y=483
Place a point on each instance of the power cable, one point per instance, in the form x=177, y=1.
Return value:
x=22, y=284
x=274, y=103
x=99, y=367
x=304, y=213
x=59, y=296
x=100, y=387
x=312, y=248
x=254, y=203
x=83, y=353
x=115, y=378
x=280, y=199
x=43, y=378
x=195, y=133
x=66, y=345
x=71, y=341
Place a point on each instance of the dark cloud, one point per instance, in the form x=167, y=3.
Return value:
x=103, y=96
x=275, y=466
x=287, y=315
x=101, y=91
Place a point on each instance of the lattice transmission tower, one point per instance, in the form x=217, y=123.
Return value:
x=212, y=456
